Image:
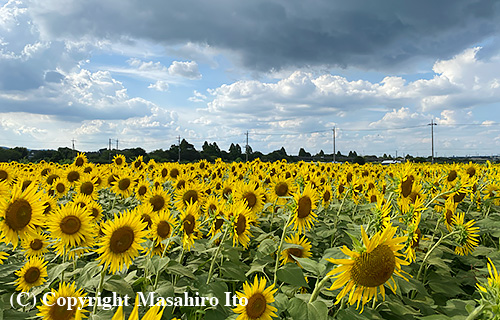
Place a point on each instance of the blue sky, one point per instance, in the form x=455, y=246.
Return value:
x=146, y=72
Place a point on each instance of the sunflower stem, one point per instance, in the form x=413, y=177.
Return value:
x=211, y=270
x=163, y=254
x=439, y=195
x=279, y=248
x=476, y=312
x=99, y=289
x=432, y=249
x=317, y=288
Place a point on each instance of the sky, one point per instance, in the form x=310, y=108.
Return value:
x=144, y=73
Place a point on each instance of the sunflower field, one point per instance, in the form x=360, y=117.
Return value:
x=256, y=240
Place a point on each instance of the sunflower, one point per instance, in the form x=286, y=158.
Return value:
x=6, y=173
x=36, y=244
x=381, y=216
x=87, y=186
x=162, y=226
x=72, y=174
x=95, y=210
x=49, y=202
x=467, y=237
x=137, y=164
x=326, y=195
x=158, y=198
x=145, y=211
x=304, y=251
x=59, y=187
x=21, y=213
x=32, y=274
x=191, y=192
x=121, y=241
x=414, y=235
x=449, y=210
x=241, y=218
x=119, y=160
x=258, y=299
x=72, y=226
x=141, y=189
x=124, y=184
x=252, y=194
x=305, y=203
x=189, y=226
x=81, y=200
x=367, y=271
x=62, y=311
x=80, y=160
x=281, y=188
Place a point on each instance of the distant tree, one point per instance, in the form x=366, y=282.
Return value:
x=234, y=152
x=303, y=153
x=359, y=160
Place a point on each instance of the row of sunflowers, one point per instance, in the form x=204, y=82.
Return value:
x=264, y=240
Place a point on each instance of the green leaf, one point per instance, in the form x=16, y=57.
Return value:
x=56, y=271
x=233, y=271
x=312, y=266
x=292, y=274
x=355, y=242
x=297, y=309
x=317, y=310
x=176, y=268
x=267, y=246
x=119, y=285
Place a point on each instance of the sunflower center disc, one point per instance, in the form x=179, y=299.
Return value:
x=452, y=175
x=95, y=213
x=304, y=207
x=174, y=173
x=250, y=198
x=18, y=214
x=3, y=175
x=190, y=196
x=51, y=178
x=164, y=172
x=118, y=161
x=73, y=176
x=295, y=252
x=58, y=312
x=326, y=196
x=60, y=187
x=121, y=239
x=218, y=223
x=70, y=225
x=241, y=224
x=256, y=306
x=36, y=244
x=281, y=189
x=142, y=190
x=406, y=186
x=32, y=275
x=458, y=197
x=87, y=188
x=471, y=171
x=163, y=229
x=189, y=224
x=123, y=184
x=79, y=162
x=158, y=202
x=375, y=268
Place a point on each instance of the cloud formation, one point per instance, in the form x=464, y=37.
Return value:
x=267, y=35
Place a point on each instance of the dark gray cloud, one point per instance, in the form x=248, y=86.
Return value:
x=268, y=35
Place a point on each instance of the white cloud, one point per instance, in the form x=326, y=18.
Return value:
x=197, y=97
x=185, y=69
x=159, y=85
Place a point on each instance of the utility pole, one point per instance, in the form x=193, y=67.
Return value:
x=334, y=144
x=246, y=148
x=116, y=144
x=109, y=150
x=432, y=124
x=179, y=139
x=73, y=143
